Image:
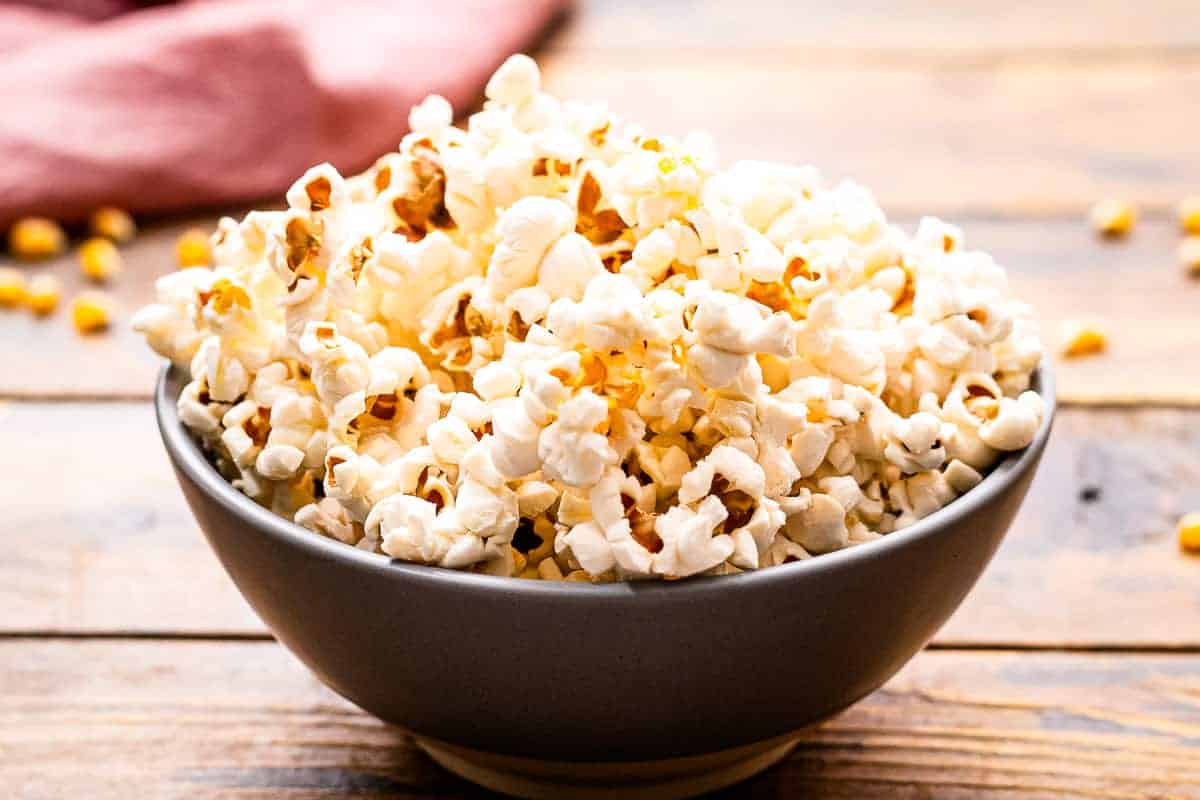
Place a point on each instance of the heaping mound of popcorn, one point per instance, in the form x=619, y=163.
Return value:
x=553, y=345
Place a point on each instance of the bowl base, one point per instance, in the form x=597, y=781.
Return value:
x=666, y=779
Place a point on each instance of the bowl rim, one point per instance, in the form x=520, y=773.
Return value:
x=188, y=458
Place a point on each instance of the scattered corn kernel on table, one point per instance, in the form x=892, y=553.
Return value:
x=131, y=667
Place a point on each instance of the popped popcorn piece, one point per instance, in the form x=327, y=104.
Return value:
x=14, y=289
x=552, y=345
x=1081, y=338
x=99, y=259
x=1113, y=218
x=515, y=82
x=91, y=312
x=36, y=238
x=431, y=115
x=112, y=223
x=44, y=293
x=1188, y=531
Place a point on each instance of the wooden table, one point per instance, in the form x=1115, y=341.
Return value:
x=130, y=667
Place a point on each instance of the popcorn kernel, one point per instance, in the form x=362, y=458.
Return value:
x=1113, y=218
x=99, y=259
x=1189, y=255
x=192, y=249
x=1189, y=214
x=44, y=294
x=1189, y=532
x=112, y=223
x=13, y=288
x=36, y=238
x=1082, y=339
x=91, y=312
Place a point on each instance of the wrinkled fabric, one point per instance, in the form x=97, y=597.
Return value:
x=221, y=101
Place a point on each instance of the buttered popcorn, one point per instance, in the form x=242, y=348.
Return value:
x=552, y=345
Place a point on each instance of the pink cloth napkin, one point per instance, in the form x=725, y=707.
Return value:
x=219, y=101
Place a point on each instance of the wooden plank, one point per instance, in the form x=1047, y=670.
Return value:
x=1092, y=558
x=1023, y=138
x=103, y=542
x=916, y=29
x=205, y=719
x=97, y=531
x=1057, y=265
x=47, y=357
x=1134, y=289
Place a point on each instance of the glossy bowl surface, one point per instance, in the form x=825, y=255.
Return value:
x=576, y=672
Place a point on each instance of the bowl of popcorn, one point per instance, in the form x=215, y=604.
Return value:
x=599, y=467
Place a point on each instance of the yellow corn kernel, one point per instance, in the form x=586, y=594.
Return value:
x=112, y=223
x=1189, y=255
x=1082, y=339
x=99, y=259
x=13, y=289
x=1189, y=532
x=34, y=238
x=44, y=294
x=1188, y=213
x=91, y=312
x=192, y=249
x=1113, y=217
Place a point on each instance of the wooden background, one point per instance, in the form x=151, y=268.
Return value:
x=130, y=667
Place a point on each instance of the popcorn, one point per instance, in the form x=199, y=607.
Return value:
x=1189, y=250
x=1188, y=531
x=1112, y=217
x=192, y=249
x=14, y=289
x=1188, y=213
x=431, y=115
x=36, y=238
x=99, y=259
x=91, y=312
x=1080, y=338
x=554, y=346
x=112, y=223
x=44, y=293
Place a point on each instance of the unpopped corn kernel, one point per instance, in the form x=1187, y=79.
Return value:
x=1082, y=339
x=1189, y=255
x=99, y=259
x=36, y=238
x=1189, y=532
x=44, y=294
x=192, y=249
x=14, y=289
x=112, y=223
x=91, y=312
x=1189, y=214
x=1113, y=218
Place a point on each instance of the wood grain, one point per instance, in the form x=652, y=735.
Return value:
x=917, y=30
x=102, y=540
x=203, y=720
x=46, y=357
x=1019, y=139
x=1134, y=287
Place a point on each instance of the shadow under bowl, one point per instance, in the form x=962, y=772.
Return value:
x=659, y=689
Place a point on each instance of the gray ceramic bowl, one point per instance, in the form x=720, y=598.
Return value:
x=552, y=689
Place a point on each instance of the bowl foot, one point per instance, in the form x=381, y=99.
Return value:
x=667, y=779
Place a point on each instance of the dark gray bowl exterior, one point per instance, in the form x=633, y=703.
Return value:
x=577, y=672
